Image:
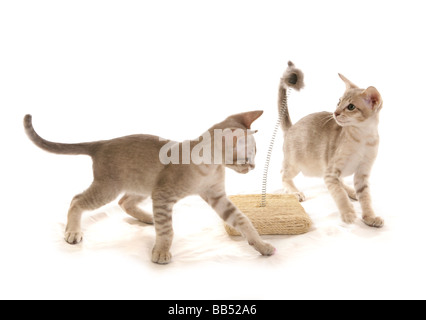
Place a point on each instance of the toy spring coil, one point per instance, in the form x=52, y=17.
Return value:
x=271, y=146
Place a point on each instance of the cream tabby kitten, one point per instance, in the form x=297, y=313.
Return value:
x=132, y=166
x=334, y=146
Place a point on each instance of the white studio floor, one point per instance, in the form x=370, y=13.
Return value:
x=332, y=261
x=92, y=70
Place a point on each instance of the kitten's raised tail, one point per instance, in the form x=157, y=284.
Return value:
x=292, y=78
x=58, y=148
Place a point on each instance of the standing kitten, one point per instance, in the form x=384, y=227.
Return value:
x=132, y=166
x=334, y=146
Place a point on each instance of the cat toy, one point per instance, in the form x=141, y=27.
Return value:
x=275, y=214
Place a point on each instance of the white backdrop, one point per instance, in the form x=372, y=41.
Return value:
x=90, y=70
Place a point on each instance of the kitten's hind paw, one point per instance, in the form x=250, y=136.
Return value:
x=375, y=222
x=73, y=237
x=148, y=219
x=300, y=196
x=352, y=194
x=349, y=218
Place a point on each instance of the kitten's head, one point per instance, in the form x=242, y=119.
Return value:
x=237, y=144
x=357, y=106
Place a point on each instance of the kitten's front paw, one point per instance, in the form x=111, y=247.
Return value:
x=73, y=237
x=375, y=222
x=349, y=217
x=161, y=257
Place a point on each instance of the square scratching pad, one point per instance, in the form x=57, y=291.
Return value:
x=283, y=214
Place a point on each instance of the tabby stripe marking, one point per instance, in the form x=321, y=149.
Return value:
x=228, y=213
x=360, y=190
x=215, y=200
x=165, y=207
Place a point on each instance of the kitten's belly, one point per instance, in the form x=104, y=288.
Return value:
x=351, y=165
x=310, y=170
x=319, y=170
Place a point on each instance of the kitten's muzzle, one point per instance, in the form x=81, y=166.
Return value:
x=248, y=168
x=335, y=116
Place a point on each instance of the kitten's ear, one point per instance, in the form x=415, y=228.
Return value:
x=247, y=118
x=349, y=84
x=372, y=98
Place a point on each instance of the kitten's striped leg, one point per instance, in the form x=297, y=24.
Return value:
x=98, y=195
x=363, y=193
x=163, y=208
x=340, y=196
x=235, y=218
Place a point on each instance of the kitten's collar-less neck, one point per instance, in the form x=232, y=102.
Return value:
x=364, y=132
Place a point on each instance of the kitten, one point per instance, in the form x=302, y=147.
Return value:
x=334, y=146
x=132, y=166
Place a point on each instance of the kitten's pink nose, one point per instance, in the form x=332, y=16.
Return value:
x=336, y=114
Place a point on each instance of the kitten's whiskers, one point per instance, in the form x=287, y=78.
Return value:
x=327, y=120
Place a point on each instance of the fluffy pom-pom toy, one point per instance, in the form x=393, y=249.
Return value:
x=292, y=78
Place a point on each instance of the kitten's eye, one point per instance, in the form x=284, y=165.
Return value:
x=351, y=107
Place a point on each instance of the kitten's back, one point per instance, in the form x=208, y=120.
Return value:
x=132, y=161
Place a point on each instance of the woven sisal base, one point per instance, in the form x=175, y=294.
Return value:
x=283, y=214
